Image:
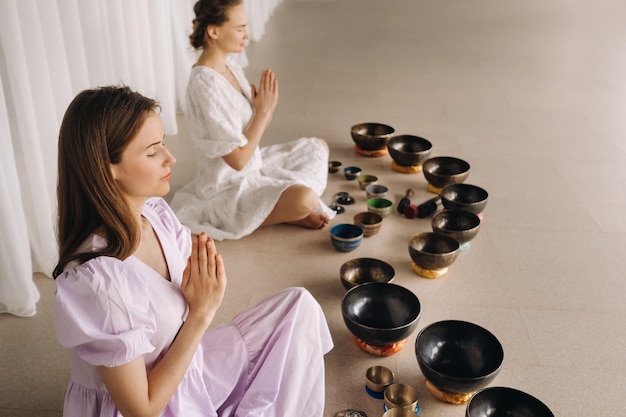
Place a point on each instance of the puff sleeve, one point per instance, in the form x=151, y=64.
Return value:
x=215, y=121
x=103, y=313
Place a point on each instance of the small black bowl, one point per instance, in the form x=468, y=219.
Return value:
x=409, y=150
x=466, y=197
x=333, y=166
x=505, y=402
x=380, y=313
x=458, y=356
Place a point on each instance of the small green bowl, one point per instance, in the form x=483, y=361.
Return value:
x=380, y=206
x=365, y=180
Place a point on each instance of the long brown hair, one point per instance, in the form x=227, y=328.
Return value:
x=96, y=128
x=209, y=13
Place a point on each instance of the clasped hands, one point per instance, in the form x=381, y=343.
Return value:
x=204, y=278
x=265, y=98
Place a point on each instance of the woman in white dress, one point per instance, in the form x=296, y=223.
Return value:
x=136, y=293
x=239, y=185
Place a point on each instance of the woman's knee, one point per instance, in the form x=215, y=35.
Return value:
x=324, y=144
x=302, y=199
x=310, y=200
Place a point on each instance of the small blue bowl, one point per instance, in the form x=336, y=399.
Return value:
x=351, y=173
x=346, y=237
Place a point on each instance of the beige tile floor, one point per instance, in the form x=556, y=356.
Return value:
x=533, y=95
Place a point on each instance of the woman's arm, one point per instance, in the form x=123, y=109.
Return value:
x=138, y=394
x=264, y=102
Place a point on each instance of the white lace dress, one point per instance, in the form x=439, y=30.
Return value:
x=224, y=202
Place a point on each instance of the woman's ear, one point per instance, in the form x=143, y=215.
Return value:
x=113, y=169
x=212, y=32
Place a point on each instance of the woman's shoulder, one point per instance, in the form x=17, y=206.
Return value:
x=201, y=74
x=160, y=211
x=203, y=85
x=103, y=300
x=95, y=272
x=159, y=206
x=104, y=283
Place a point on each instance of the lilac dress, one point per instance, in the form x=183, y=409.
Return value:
x=267, y=362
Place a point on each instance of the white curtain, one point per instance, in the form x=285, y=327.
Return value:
x=49, y=51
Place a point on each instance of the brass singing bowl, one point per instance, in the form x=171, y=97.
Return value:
x=463, y=226
x=432, y=251
x=363, y=270
x=371, y=136
x=377, y=378
x=401, y=396
x=409, y=150
x=444, y=170
x=466, y=197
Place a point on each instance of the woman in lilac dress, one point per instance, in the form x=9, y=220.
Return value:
x=136, y=292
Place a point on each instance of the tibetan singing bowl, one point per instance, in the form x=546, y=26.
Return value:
x=463, y=226
x=458, y=356
x=409, y=150
x=380, y=313
x=466, y=197
x=363, y=270
x=433, y=251
x=444, y=170
x=371, y=136
x=505, y=402
x=377, y=378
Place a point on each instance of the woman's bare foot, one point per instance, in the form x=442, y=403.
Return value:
x=313, y=221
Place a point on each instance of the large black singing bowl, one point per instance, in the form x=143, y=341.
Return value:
x=505, y=402
x=458, y=357
x=380, y=313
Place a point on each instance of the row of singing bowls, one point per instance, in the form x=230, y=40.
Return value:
x=455, y=356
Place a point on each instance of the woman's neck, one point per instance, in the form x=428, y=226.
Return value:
x=213, y=59
x=136, y=206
